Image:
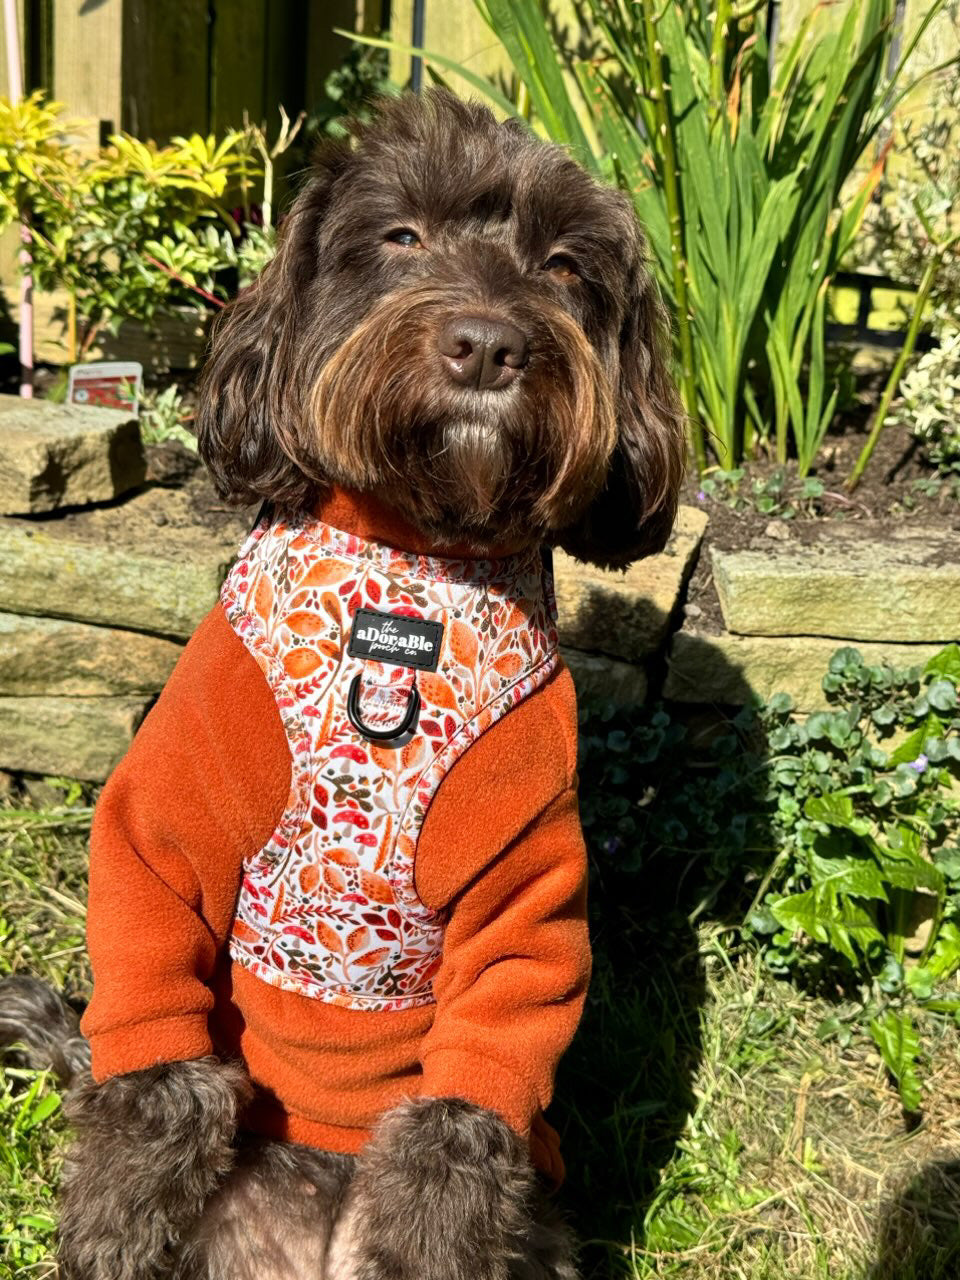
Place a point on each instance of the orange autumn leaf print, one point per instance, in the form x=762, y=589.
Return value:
x=278, y=904
x=334, y=879
x=305, y=623
x=300, y=663
x=508, y=666
x=324, y=572
x=343, y=856
x=372, y=957
x=329, y=938
x=384, y=757
x=384, y=844
x=357, y=939
x=376, y=887
x=411, y=753
x=309, y=878
x=263, y=597
x=244, y=932
x=331, y=606
x=463, y=644
x=435, y=689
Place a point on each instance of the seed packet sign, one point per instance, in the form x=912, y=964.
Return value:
x=108, y=384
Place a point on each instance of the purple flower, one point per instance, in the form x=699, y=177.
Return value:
x=701, y=496
x=920, y=764
x=611, y=845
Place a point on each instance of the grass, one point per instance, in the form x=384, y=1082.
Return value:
x=709, y=1131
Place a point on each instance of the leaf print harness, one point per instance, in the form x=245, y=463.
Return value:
x=354, y=639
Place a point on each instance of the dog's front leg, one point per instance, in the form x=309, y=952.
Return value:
x=444, y=1191
x=151, y=1147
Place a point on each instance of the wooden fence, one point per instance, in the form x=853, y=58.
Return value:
x=161, y=67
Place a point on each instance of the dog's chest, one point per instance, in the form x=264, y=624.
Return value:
x=359, y=643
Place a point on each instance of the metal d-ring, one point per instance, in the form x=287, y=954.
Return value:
x=408, y=724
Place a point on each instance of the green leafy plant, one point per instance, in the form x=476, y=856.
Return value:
x=867, y=821
x=928, y=403
x=914, y=232
x=834, y=838
x=742, y=179
x=163, y=415
x=129, y=230
x=133, y=230
x=779, y=493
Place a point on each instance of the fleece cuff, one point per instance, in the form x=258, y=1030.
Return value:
x=478, y=1078
x=145, y=1044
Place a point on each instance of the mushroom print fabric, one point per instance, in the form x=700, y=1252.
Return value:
x=328, y=908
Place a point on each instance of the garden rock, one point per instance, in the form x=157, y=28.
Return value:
x=601, y=679
x=53, y=656
x=79, y=737
x=855, y=582
x=57, y=455
x=627, y=614
x=149, y=564
x=728, y=669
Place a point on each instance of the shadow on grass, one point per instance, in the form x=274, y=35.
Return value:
x=626, y=1084
x=919, y=1236
x=625, y=1089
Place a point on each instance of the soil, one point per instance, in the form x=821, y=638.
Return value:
x=895, y=491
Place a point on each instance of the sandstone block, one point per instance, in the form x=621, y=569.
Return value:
x=77, y=737
x=133, y=566
x=46, y=656
x=848, y=582
x=728, y=668
x=57, y=455
x=626, y=613
x=601, y=679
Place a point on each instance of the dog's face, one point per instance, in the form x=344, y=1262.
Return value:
x=460, y=321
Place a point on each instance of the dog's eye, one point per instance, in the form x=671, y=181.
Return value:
x=561, y=267
x=404, y=237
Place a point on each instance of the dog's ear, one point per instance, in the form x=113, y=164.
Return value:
x=250, y=406
x=634, y=513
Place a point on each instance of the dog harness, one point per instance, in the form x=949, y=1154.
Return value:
x=385, y=667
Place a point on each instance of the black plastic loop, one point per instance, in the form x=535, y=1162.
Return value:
x=407, y=725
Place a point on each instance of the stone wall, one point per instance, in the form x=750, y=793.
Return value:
x=788, y=602
x=103, y=576
x=108, y=561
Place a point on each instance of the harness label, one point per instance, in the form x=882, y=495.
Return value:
x=396, y=639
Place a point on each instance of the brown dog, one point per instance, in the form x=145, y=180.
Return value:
x=460, y=334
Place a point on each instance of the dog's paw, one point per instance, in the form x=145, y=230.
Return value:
x=444, y=1191
x=151, y=1146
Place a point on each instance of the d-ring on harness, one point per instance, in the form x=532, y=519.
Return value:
x=399, y=641
x=407, y=725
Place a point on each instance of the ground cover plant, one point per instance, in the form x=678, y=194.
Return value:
x=766, y=1083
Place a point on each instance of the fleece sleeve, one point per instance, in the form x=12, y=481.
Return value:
x=201, y=789
x=503, y=852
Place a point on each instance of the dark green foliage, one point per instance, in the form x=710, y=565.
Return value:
x=832, y=841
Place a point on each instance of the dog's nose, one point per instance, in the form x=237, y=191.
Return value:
x=482, y=353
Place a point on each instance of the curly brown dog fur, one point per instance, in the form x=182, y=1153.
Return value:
x=331, y=368
x=151, y=1149
x=460, y=322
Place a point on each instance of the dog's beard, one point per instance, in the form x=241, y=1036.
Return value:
x=488, y=467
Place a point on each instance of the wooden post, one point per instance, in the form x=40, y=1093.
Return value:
x=15, y=85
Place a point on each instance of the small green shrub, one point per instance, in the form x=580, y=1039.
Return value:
x=929, y=402
x=832, y=841
x=163, y=415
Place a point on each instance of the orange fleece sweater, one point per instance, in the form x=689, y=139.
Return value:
x=200, y=793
